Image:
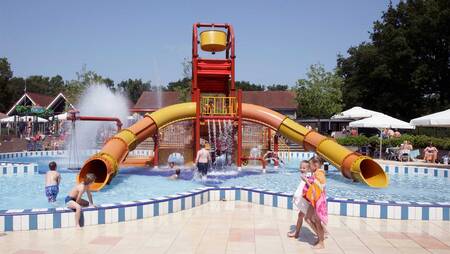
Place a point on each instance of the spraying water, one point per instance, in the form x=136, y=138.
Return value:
x=97, y=100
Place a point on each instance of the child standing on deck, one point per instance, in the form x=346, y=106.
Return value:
x=316, y=195
x=52, y=180
x=300, y=202
x=74, y=200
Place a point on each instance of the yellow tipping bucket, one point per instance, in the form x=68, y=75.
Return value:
x=213, y=40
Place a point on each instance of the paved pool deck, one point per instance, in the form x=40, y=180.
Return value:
x=234, y=227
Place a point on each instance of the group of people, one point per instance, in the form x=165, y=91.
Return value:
x=310, y=200
x=74, y=199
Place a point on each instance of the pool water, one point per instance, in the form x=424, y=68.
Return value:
x=20, y=192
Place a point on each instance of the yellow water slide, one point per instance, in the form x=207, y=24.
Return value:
x=105, y=164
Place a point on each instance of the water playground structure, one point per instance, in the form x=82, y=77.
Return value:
x=215, y=100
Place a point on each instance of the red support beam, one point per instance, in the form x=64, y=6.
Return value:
x=275, y=148
x=155, y=150
x=197, y=123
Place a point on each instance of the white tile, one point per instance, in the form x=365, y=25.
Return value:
x=176, y=205
x=215, y=195
x=435, y=213
x=255, y=197
x=2, y=223
x=268, y=199
x=418, y=213
x=333, y=208
x=114, y=215
x=17, y=223
x=188, y=202
x=147, y=210
x=244, y=195
x=229, y=194
x=41, y=221
x=373, y=211
x=282, y=202
x=205, y=197
x=164, y=207
x=71, y=219
x=65, y=219
x=108, y=216
x=131, y=213
x=25, y=222
x=353, y=209
x=49, y=221
x=198, y=200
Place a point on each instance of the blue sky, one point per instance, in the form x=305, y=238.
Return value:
x=276, y=40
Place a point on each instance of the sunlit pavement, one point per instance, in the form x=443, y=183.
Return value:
x=234, y=227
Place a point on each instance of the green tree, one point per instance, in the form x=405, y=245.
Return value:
x=319, y=96
x=133, y=88
x=183, y=86
x=247, y=86
x=404, y=70
x=277, y=87
x=5, y=75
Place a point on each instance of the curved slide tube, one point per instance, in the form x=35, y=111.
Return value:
x=105, y=164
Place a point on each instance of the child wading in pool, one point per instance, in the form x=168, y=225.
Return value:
x=301, y=204
x=52, y=180
x=74, y=200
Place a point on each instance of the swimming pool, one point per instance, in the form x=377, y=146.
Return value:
x=137, y=183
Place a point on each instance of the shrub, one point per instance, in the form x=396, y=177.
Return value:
x=418, y=141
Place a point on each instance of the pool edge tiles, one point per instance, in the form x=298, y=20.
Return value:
x=17, y=168
x=52, y=218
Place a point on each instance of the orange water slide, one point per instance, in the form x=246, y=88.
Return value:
x=105, y=164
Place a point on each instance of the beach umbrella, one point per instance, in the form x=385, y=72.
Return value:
x=355, y=113
x=381, y=121
x=438, y=119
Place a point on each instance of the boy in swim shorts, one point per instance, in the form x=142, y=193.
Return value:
x=52, y=180
x=74, y=200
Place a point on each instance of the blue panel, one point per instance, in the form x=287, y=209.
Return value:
x=56, y=220
x=396, y=169
x=404, y=215
x=201, y=199
x=14, y=170
x=445, y=173
x=25, y=169
x=435, y=172
x=363, y=210
x=193, y=201
x=425, y=171
x=386, y=168
x=237, y=194
x=5, y=171
x=406, y=170
x=222, y=195
x=156, y=209
x=249, y=196
x=261, y=198
x=289, y=203
x=183, y=203
x=101, y=216
x=425, y=213
x=445, y=213
x=416, y=170
x=121, y=213
x=274, y=200
x=140, y=212
x=343, y=210
x=9, y=223
x=32, y=222
x=170, y=206
x=383, y=211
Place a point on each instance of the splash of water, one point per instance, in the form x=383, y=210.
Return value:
x=97, y=100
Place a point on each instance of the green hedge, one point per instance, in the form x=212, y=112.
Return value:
x=418, y=141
